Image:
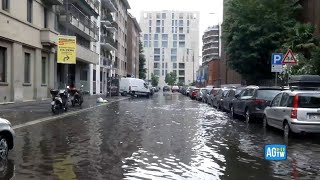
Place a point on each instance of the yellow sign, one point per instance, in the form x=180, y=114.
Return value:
x=67, y=49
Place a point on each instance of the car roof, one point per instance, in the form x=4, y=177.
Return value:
x=300, y=91
x=263, y=87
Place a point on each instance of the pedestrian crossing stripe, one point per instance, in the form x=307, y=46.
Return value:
x=289, y=58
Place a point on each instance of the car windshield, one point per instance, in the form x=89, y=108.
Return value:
x=267, y=94
x=309, y=100
x=203, y=90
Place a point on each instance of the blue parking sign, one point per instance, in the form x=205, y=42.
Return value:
x=276, y=58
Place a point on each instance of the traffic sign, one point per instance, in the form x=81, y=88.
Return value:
x=277, y=68
x=276, y=58
x=289, y=58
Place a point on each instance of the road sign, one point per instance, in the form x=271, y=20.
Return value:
x=67, y=49
x=276, y=58
x=289, y=58
x=277, y=68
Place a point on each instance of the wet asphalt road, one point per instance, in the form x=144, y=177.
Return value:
x=164, y=137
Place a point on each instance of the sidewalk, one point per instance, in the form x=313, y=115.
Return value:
x=18, y=113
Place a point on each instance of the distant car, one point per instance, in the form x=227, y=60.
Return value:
x=218, y=100
x=189, y=89
x=213, y=93
x=175, y=89
x=193, y=93
x=7, y=136
x=206, y=95
x=201, y=93
x=227, y=101
x=166, y=88
x=252, y=101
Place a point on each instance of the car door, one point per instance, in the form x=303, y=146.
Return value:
x=273, y=111
x=226, y=102
x=237, y=100
x=244, y=100
x=284, y=110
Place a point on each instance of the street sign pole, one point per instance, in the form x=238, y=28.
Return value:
x=276, y=79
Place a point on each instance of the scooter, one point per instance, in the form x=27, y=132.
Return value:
x=59, y=100
x=76, y=95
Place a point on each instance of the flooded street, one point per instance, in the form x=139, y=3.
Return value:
x=164, y=137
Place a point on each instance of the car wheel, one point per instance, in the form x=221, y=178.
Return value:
x=265, y=122
x=3, y=148
x=286, y=130
x=247, y=116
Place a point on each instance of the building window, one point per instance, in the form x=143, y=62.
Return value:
x=181, y=72
x=172, y=22
x=27, y=67
x=5, y=5
x=150, y=30
x=162, y=72
x=156, y=72
x=172, y=16
x=175, y=37
x=3, y=64
x=173, y=58
x=182, y=37
x=173, y=51
x=156, y=50
x=181, y=65
x=84, y=75
x=156, y=36
x=180, y=22
x=158, y=30
x=155, y=44
x=156, y=65
x=162, y=22
x=174, y=44
x=180, y=29
x=29, y=10
x=162, y=29
x=174, y=71
x=164, y=16
x=162, y=65
x=181, y=16
x=176, y=30
x=145, y=37
x=166, y=65
x=150, y=22
x=44, y=70
x=182, y=44
x=164, y=44
x=94, y=75
x=188, y=22
x=45, y=17
x=145, y=43
x=172, y=30
x=164, y=37
x=158, y=15
x=174, y=65
x=158, y=22
x=156, y=57
x=188, y=29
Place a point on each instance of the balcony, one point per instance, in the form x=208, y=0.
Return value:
x=53, y=2
x=205, y=48
x=113, y=27
x=106, y=20
x=110, y=4
x=86, y=55
x=89, y=7
x=78, y=22
x=105, y=62
x=48, y=37
x=108, y=42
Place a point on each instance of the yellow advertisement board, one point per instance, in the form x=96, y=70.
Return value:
x=67, y=49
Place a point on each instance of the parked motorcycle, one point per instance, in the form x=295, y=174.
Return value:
x=59, y=100
x=76, y=95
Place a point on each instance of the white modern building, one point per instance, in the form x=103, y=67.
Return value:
x=171, y=44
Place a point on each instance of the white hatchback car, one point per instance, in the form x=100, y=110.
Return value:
x=6, y=138
x=296, y=111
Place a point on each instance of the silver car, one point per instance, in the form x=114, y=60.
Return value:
x=6, y=138
x=294, y=112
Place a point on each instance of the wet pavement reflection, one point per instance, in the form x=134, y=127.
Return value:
x=164, y=137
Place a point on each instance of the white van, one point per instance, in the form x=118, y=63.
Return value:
x=134, y=86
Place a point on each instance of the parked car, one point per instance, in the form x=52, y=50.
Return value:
x=175, y=89
x=166, y=88
x=134, y=86
x=212, y=95
x=205, y=96
x=296, y=110
x=201, y=93
x=183, y=90
x=251, y=102
x=7, y=136
x=193, y=93
x=218, y=99
x=227, y=101
x=189, y=89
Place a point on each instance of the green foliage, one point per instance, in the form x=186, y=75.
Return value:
x=193, y=83
x=142, y=62
x=253, y=30
x=180, y=83
x=154, y=80
x=171, y=78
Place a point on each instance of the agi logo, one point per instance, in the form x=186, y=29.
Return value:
x=275, y=152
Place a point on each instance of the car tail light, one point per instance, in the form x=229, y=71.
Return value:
x=259, y=101
x=294, y=111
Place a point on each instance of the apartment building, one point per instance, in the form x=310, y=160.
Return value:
x=211, y=44
x=134, y=31
x=27, y=49
x=171, y=44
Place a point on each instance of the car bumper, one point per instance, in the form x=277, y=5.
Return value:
x=257, y=114
x=308, y=127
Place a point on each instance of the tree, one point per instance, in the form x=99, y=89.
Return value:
x=253, y=30
x=142, y=62
x=154, y=80
x=180, y=83
x=171, y=78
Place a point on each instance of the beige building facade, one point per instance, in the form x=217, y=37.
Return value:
x=27, y=50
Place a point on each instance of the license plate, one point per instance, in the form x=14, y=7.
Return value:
x=52, y=103
x=314, y=117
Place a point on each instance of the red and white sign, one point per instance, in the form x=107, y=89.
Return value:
x=289, y=58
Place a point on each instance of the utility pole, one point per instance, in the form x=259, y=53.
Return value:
x=67, y=33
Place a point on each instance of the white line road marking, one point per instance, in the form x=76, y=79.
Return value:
x=62, y=115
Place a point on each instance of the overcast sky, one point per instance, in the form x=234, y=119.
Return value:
x=204, y=6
